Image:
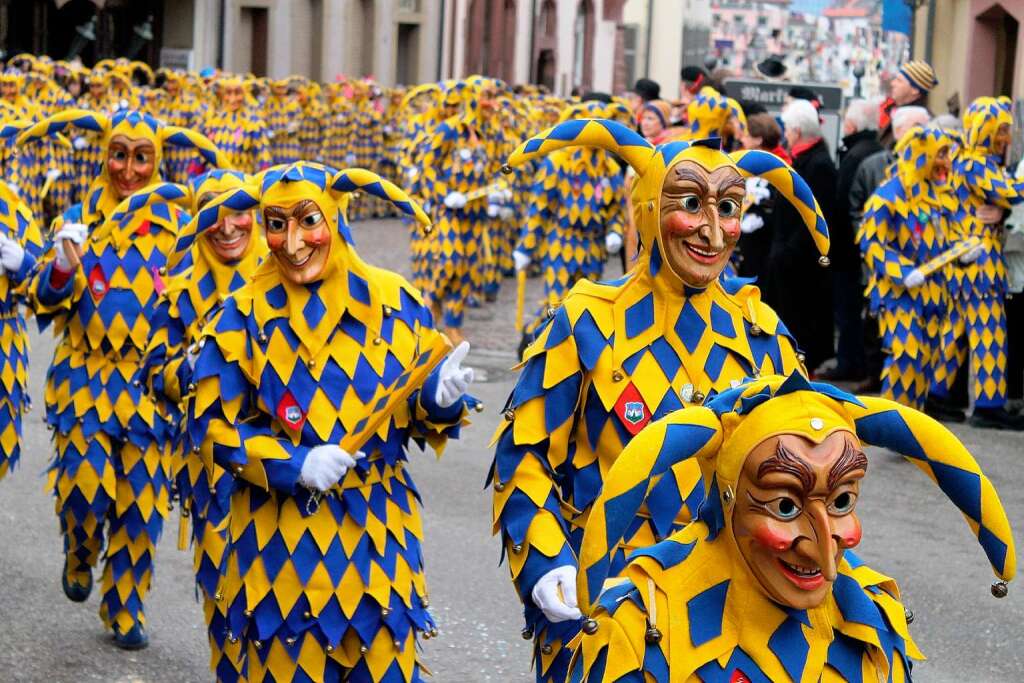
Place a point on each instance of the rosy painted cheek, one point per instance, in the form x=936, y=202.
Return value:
x=731, y=228
x=275, y=242
x=318, y=237
x=850, y=535
x=772, y=539
x=682, y=223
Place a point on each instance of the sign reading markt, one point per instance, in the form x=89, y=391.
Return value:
x=772, y=94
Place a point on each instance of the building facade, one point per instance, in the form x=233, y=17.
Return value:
x=973, y=46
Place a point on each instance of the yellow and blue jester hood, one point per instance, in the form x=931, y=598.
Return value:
x=982, y=120
x=653, y=164
x=917, y=154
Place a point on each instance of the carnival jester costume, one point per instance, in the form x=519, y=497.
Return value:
x=235, y=128
x=764, y=585
x=616, y=355
x=576, y=213
x=907, y=223
x=100, y=289
x=977, y=320
x=222, y=260
x=323, y=580
x=20, y=247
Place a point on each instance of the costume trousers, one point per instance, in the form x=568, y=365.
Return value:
x=910, y=341
x=975, y=327
x=114, y=494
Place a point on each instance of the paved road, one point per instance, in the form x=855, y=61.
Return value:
x=911, y=533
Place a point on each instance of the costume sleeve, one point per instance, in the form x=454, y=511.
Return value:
x=31, y=240
x=532, y=454
x=874, y=235
x=615, y=652
x=49, y=301
x=430, y=422
x=540, y=198
x=164, y=370
x=261, y=149
x=992, y=183
x=224, y=421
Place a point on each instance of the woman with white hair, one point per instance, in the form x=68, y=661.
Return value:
x=798, y=288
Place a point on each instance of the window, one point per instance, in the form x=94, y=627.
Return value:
x=630, y=32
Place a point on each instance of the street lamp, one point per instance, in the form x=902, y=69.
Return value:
x=84, y=34
x=858, y=73
x=141, y=34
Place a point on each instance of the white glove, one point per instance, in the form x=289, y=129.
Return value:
x=465, y=154
x=914, y=278
x=73, y=232
x=325, y=465
x=546, y=595
x=521, y=260
x=506, y=213
x=455, y=200
x=758, y=190
x=973, y=255
x=53, y=174
x=350, y=159
x=191, y=355
x=613, y=242
x=80, y=143
x=751, y=223
x=493, y=210
x=453, y=380
x=413, y=173
x=12, y=254
x=506, y=195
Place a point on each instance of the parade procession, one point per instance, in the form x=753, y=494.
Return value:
x=518, y=372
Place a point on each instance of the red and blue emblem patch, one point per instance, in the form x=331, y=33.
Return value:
x=632, y=410
x=289, y=412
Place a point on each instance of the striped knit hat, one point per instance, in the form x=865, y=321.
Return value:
x=920, y=74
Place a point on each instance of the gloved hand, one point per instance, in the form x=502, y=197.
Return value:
x=557, y=607
x=613, y=242
x=973, y=255
x=53, y=174
x=454, y=379
x=412, y=173
x=80, y=143
x=12, y=254
x=757, y=189
x=914, y=278
x=521, y=260
x=72, y=232
x=190, y=357
x=350, y=159
x=325, y=465
x=455, y=200
x=989, y=214
x=506, y=213
x=465, y=154
x=493, y=210
x=751, y=223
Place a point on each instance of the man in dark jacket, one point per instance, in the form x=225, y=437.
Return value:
x=861, y=141
x=908, y=88
x=796, y=286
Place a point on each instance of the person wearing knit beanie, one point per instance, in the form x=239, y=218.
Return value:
x=909, y=87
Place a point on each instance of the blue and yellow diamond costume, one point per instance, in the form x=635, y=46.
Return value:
x=282, y=118
x=191, y=298
x=977, y=320
x=615, y=355
x=908, y=221
x=331, y=588
x=239, y=133
x=16, y=222
x=577, y=197
x=690, y=608
x=110, y=473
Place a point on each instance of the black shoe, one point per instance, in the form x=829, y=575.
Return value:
x=76, y=592
x=943, y=411
x=996, y=418
x=135, y=639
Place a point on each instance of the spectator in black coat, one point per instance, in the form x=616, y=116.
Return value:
x=755, y=242
x=860, y=128
x=796, y=285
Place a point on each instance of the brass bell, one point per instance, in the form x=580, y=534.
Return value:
x=479, y=406
x=509, y=414
x=499, y=487
x=330, y=649
x=1000, y=589
x=257, y=644
x=824, y=261
x=516, y=549
x=727, y=495
x=387, y=311
x=385, y=612
x=398, y=645
x=290, y=640
x=310, y=363
x=377, y=341
x=801, y=357
x=218, y=596
x=589, y=626
x=506, y=169
x=698, y=396
x=262, y=338
x=550, y=312
x=233, y=638
x=527, y=633
x=909, y=615
x=652, y=635
x=191, y=387
x=162, y=270
x=247, y=613
x=307, y=615
x=363, y=649
x=617, y=376
x=426, y=601
x=433, y=632
x=546, y=649
x=755, y=330
x=426, y=635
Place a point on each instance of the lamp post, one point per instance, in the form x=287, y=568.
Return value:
x=141, y=34
x=84, y=34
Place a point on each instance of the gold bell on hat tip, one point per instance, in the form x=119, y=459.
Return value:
x=330, y=648
x=546, y=649
x=527, y=634
x=479, y=406
x=653, y=635
x=824, y=261
x=363, y=649
x=909, y=615
x=506, y=169
x=1000, y=589
x=590, y=626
